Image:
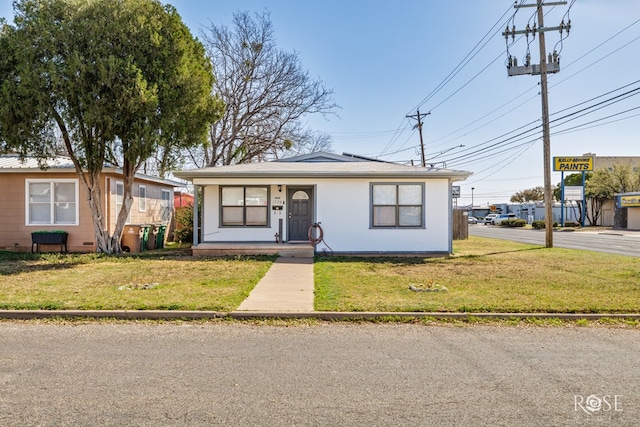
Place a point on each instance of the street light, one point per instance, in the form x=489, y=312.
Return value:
x=472, y=188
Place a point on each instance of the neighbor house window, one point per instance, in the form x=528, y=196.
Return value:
x=142, y=198
x=120, y=201
x=244, y=206
x=52, y=202
x=397, y=205
x=165, y=205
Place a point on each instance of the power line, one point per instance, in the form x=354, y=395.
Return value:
x=522, y=135
x=517, y=97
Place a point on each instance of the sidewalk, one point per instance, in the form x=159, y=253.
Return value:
x=287, y=287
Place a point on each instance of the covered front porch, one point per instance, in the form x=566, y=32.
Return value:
x=291, y=250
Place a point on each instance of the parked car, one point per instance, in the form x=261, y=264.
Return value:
x=489, y=218
x=498, y=220
x=472, y=220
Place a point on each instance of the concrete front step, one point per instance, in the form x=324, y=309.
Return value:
x=297, y=250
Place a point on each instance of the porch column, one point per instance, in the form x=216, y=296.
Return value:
x=196, y=208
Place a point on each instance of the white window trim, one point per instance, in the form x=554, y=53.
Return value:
x=51, y=181
x=142, y=199
x=119, y=205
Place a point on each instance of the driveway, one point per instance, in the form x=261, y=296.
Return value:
x=239, y=374
x=611, y=241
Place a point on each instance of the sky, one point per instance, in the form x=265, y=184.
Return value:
x=386, y=60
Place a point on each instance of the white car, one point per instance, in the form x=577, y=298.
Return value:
x=489, y=218
x=498, y=220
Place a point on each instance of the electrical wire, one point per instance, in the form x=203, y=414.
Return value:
x=483, y=148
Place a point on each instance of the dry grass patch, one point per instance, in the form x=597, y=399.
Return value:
x=153, y=282
x=484, y=275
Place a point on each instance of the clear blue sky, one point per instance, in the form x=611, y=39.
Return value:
x=386, y=59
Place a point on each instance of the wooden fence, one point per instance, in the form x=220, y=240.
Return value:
x=460, y=224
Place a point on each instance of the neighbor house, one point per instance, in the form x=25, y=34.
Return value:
x=33, y=199
x=359, y=205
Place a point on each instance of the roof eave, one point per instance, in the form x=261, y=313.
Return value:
x=191, y=175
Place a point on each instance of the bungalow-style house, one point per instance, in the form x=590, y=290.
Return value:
x=35, y=200
x=357, y=205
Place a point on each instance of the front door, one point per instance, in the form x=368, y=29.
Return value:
x=300, y=201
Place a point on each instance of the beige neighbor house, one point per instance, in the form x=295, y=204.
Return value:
x=35, y=200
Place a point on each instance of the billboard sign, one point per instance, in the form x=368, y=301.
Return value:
x=573, y=164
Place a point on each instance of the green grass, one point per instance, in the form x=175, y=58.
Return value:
x=484, y=275
x=163, y=280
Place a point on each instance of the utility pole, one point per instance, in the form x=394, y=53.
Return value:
x=550, y=64
x=419, y=117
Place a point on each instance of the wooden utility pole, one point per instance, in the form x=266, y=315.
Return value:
x=419, y=117
x=550, y=64
x=546, y=138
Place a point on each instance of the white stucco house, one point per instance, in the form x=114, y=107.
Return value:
x=364, y=206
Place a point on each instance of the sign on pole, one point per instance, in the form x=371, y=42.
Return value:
x=573, y=193
x=573, y=164
x=455, y=191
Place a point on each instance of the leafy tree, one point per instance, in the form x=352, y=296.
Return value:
x=266, y=92
x=530, y=195
x=605, y=183
x=112, y=81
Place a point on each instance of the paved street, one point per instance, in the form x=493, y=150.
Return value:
x=237, y=374
x=611, y=241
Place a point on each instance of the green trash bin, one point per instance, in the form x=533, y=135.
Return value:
x=160, y=236
x=145, y=237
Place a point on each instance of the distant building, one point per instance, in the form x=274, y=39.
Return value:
x=607, y=162
x=608, y=215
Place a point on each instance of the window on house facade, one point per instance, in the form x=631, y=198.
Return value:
x=165, y=206
x=397, y=205
x=52, y=202
x=120, y=202
x=244, y=206
x=142, y=198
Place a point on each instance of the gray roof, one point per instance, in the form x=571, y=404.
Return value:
x=322, y=165
x=11, y=163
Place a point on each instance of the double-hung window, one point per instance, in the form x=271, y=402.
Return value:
x=244, y=206
x=165, y=205
x=52, y=202
x=397, y=205
x=142, y=198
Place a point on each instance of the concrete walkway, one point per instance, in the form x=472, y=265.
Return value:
x=287, y=287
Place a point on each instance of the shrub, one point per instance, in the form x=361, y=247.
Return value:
x=571, y=224
x=514, y=222
x=184, y=224
x=538, y=224
x=519, y=223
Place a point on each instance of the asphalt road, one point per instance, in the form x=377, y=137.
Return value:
x=611, y=241
x=237, y=374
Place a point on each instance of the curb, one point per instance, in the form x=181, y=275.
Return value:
x=321, y=315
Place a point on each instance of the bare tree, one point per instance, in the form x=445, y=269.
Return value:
x=266, y=94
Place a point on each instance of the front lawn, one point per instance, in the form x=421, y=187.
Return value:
x=147, y=282
x=484, y=275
